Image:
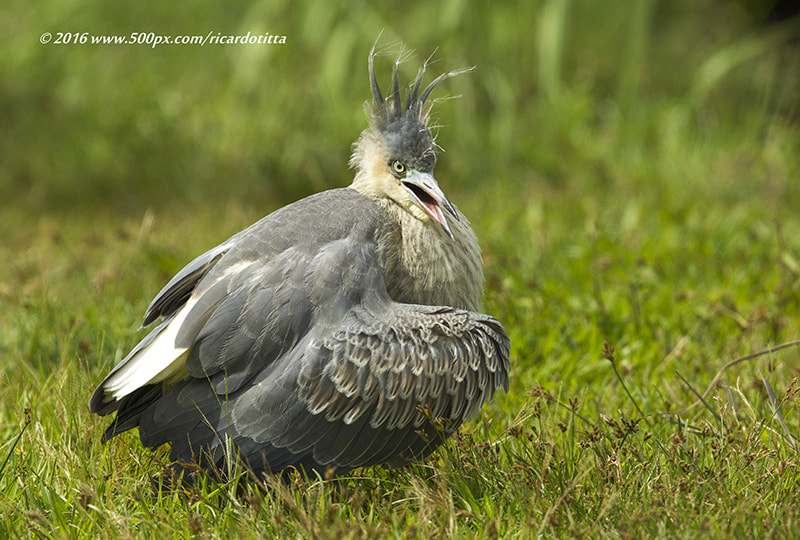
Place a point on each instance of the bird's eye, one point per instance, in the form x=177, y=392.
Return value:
x=398, y=168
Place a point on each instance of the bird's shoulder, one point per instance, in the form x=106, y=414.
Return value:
x=307, y=227
x=315, y=220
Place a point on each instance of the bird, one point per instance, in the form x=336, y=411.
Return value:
x=338, y=332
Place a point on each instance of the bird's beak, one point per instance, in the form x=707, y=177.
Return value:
x=426, y=193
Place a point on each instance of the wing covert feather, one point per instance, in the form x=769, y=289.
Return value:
x=412, y=358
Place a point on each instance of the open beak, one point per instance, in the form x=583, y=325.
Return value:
x=427, y=194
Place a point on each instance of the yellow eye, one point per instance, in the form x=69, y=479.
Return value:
x=398, y=168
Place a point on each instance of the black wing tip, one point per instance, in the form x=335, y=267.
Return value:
x=109, y=433
x=99, y=405
x=129, y=408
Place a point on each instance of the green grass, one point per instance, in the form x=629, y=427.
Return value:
x=632, y=172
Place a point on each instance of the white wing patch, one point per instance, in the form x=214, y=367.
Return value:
x=159, y=361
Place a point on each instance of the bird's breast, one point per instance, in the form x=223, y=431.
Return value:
x=422, y=265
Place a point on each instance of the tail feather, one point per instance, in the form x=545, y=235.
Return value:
x=130, y=410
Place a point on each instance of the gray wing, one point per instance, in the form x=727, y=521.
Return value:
x=249, y=302
x=375, y=391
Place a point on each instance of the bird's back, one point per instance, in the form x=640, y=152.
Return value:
x=421, y=265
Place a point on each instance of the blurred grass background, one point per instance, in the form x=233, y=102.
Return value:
x=561, y=88
x=632, y=170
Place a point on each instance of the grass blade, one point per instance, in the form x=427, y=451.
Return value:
x=696, y=393
x=14, y=445
x=777, y=408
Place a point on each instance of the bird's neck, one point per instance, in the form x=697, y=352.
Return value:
x=429, y=267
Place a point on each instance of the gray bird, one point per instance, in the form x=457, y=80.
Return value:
x=338, y=332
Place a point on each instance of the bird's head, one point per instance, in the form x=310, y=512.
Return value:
x=395, y=155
